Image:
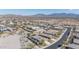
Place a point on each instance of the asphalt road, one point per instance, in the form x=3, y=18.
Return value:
x=59, y=43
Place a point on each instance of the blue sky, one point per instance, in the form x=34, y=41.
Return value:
x=37, y=11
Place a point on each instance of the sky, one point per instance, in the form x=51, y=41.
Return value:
x=37, y=11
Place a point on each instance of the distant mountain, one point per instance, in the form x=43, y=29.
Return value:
x=55, y=16
x=64, y=15
x=40, y=15
x=59, y=15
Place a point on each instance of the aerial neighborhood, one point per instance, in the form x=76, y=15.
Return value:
x=39, y=32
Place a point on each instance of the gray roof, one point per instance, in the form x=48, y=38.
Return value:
x=77, y=34
x=76, y=41
x=45, y=35
x=49, y=33
x=36, y=37
x=74, y=46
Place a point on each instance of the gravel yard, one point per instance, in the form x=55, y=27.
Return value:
x=10, y=42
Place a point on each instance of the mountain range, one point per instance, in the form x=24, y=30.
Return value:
x=59, y=15
x=43, y=16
